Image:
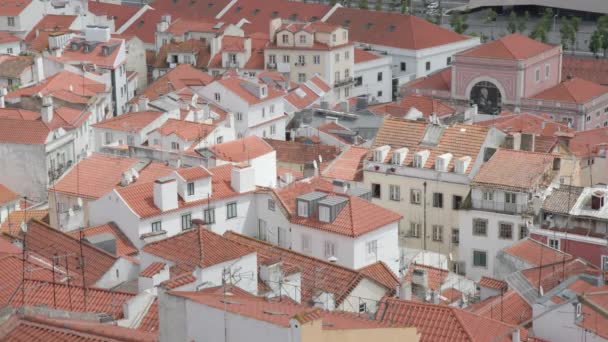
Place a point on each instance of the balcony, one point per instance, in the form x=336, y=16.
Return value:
x=271, y=66
x=344, y=82
x=509, y=208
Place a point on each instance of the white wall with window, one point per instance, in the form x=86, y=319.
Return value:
x=367, y=82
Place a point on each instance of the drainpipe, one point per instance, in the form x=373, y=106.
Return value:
x=424, y=218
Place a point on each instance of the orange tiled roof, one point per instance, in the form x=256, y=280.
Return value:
x=358, y=216
x=575, y=90
x=551, y=275
x=380, y=272
x=426, y=105
x=526, y=123
x=316, y=274
x=451, y=295
x=7, y=195
x=241, y=150
x=198, y=47
x=303, y=97
x=124, y=246
x=95, y=56
x=362, y=56
x=440, y=323
x=320, y=83
x=348, y=165
x=65, y=85
x=187, y=130
x=197, y=247
x=28, y=132
x=529, y=250
x=51, y=22
x=492, y=283
x=236, y=86
x=510, y=308
x=585, y=143
x=392, y=29
x=12, y=225
x=39, y=328
x=513, y=46
x=7, y=37
x=299, y=153
x=193, y=173
x=436, y=276
x=120, y=13
x=440, y=80
x=129, y=122
x=515, y=169
x=152, y=269
x=588, y=68
x=182, y=76
x=459, y=140
x=330, y=127
x=13, y=7
x=150, y=321
x=178, y=281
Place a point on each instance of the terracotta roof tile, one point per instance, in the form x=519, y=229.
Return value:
x=436, y=276
x=320, y=83
x=187, y=130
x=182, y=76
x=27, y=132
x=588, y=68
x=12, y=66
x=302, y=97
x=526, y=123
x=576, y=90
x=515, y=169
x=124, y=246
x=12, y=225
x=587, y=142
x=332, y=128
x=561, y=200
x=451, y=295
x=492, y=283
x=392, y=29
x=178, y=281
x=348, y=165
x=529, y=250
x=362, y=56
x=7, y=195
x=194, y=173
x=236, y=86
x=152, y=269
x=426, y=105
x=7, y=37
x=144, y=27
x=299, y=153
x=380, y=272
x=130, y=122
x=241, y=150
x=551, y=275
x=198, y=47
x=150, y=322
x=197, y=247
x=120, y=13
x=95, y=56
x=51, y=22
x=316, y=274
x=510, y=308
x=13, y=7
x=203, y=9
x=513, y=46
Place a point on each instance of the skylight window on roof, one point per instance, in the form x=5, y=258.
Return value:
x=238, y=9
x=211, y=4
x=314, y=18
x=432, y=135
x=275, y=14
x=294, y=16
x=391, y=28
x=256, y=11
x=369, y=25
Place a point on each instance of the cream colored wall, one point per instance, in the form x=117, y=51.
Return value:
x=314, y=332
x=310, y=69
x=446, y=216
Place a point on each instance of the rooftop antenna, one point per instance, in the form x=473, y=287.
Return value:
x=24, y=254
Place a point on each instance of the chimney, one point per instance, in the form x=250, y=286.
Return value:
x=38, y=69
x=97, y=33
x=405, y=290
x=3, y=93
x=274, y=25
x=564, y=137
x=143, y=103
x=47, y=109
x=242, y=178
x=515, y=337
x=597, y=199
x=165, y=194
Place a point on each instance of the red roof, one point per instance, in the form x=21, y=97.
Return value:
x=95, y=56
x=194, y=173
x=150, y=320
x=7, y=195
x=302, y=97
x=529, y=250
x=526, y=123
x=187, y=130
x=197, y=247
x=188, y=9
x=331, y=127
x=152, y=269
x=51, y=22
x=492, y=283
x=588, y=68
x=426, y=105
x=130, y=122
x=300, y=153
x=440, y=80
x=585, y=143
x=12, y=224
x=182, y=76
x=551, y=275
x=348, y=165
x=241, y=150
x=358, y=216
x=23, y=131
x=7, y=37
x=140, y=196
x=392, y=29
x=124, y=246
x=317, y=274
x=144, y=27
x=47, y=242
x=362, y=56
x=237, y=86
x=513, y=46
x=64, y=85
x=19, y=328
x=436, y=276
x=120, y=13
x=320, y=83
x=381, y=273
x=440, y=323
x=11, y=8
x=510, y=308
x=575, y=90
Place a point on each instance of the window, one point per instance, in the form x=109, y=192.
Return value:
x=301, y=77
x=554, y=243
x=282, y=233
x=262, y=232
x=271, y=204
x=157, y=226
x=510, y=197
x=285, y=38
x=546, y=71
x=174, y=145
x=488, y=196
x=191, y=189
x=403, y=66
x=186, y=60
x=285, y=58
x=480, y=227
x=346, y=92
x=316, y=59
x=480, y=259
x=130, y=140
x=186, y=221
x=324, y=214
x=306, y=243
x=271, y=109
x=263, y=112
x=273, y=129
x=9, y=51
x=588, y=118
x=428, y=66
x=456, y=202
x=231, y=210
x=337, y=57
x=302, y=208
x=239, y=116
x=379, y=93
x=302, y=59
x=358, y=81
x=333, y=37
x=395, y=193
x=346, y=73
x=209, y=215
x=11, y=21
x=372, y=248
x=523, y=232
x=272, y=59
x=337, y=76
x=537, y=73
x=346, y=54
x=415, y=229
x=437, y=200
x=108, y=137
x=232, y=58
x=415, y=195
x=376, y=190
x=505, y=230
x=344, y=35
x=362, y=307
x=455, y=236
x=303, y=39
x=437, y=233
x=330, y=249
x=379, y=77
x=217, y=97
x=448, y=61
x=219, y=140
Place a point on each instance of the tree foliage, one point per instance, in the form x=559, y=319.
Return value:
x=458, y=22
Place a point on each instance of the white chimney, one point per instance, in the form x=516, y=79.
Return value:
x=515, y=336
x=3, y=93
x=242, y=179
x=38, y=69
x=47, y=109
x=99, y=33
x=143, y=103
x=165, y=194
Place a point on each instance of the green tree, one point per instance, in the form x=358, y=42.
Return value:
x=489, y=20
x=566, y=31
x=512, y=23
x=378, y=6
x=595, y=43
x=575, y=22
x=458, y=22
x=539, y=33
x=522, y=23
x=363, y=4
x=404, y=6
x=333, y=2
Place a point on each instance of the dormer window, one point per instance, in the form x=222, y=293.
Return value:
x=303, y=39
x=418, y=161
x=217, y=97
x=285, y=38
x=302, y=208
x=191, y=189
x=263, y=91
x=324, y=214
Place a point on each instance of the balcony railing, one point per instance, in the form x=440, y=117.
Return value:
x=511, y=208
x=344, y=81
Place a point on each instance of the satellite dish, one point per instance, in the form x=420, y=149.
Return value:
x=333, y=259
x=23, y=226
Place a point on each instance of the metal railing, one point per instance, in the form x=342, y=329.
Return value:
x=512, y=208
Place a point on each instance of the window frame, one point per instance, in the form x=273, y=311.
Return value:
x=415, y=196
x=438, y=200
x=475, y=227
x=230, y=214
x=190, y=188
x=378, y=194
x=485, y=254
x=209, y=213
x=188, y=223
x=157, y=226
x=395, y=192
x=437, y=233
x=500, y=230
